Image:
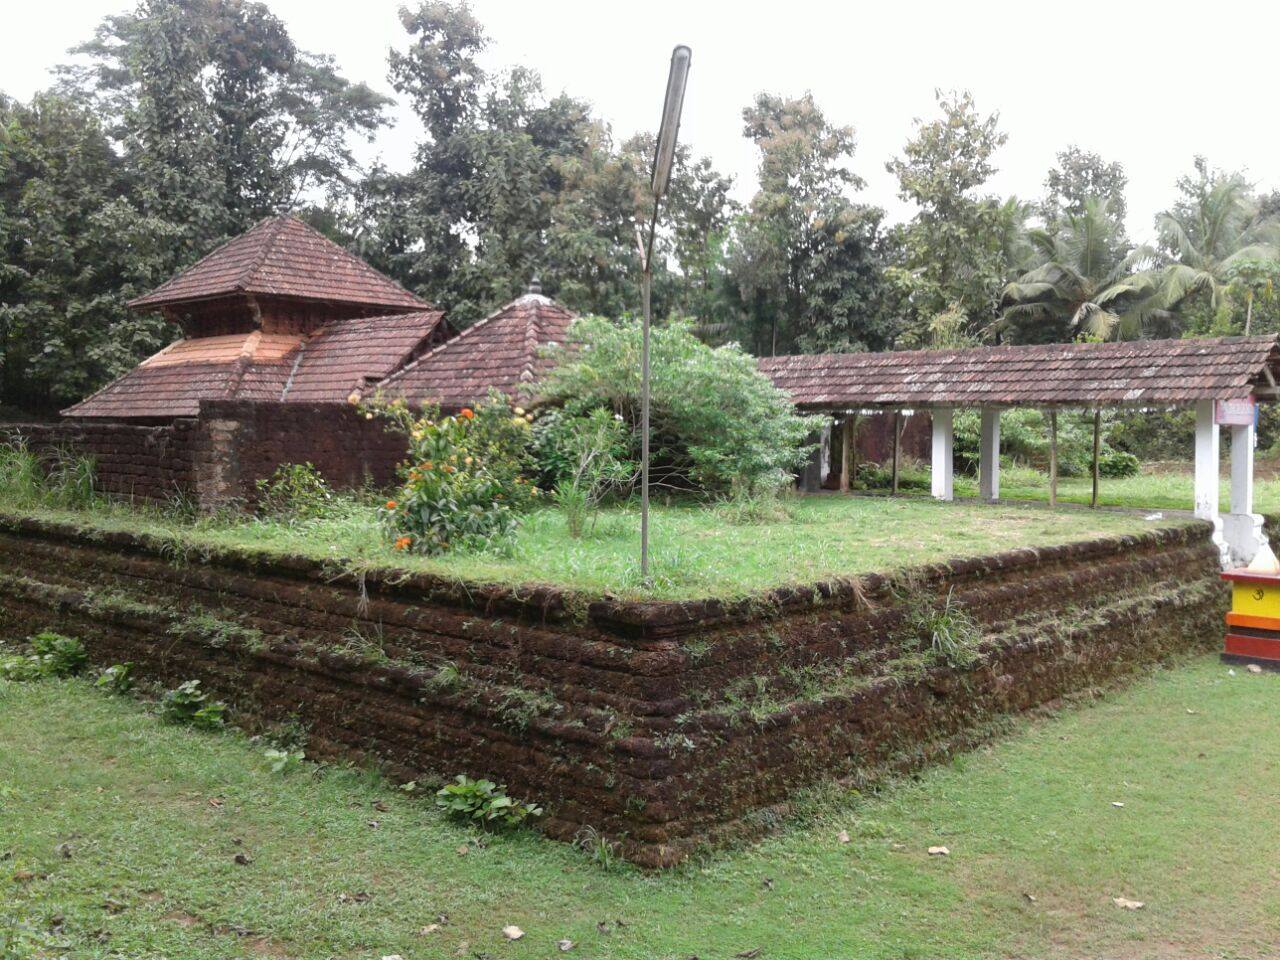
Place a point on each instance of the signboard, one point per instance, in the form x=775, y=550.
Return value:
x=1235, y=413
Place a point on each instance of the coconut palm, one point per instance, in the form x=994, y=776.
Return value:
x=1216, y=236
x=1087, y=283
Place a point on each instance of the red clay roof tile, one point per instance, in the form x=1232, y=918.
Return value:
x=499, y=352
x=1133, y=373
x=282, y=257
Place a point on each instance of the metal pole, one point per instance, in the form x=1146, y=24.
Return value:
x=646, y=287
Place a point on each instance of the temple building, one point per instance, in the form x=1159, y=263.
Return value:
x=277, y=314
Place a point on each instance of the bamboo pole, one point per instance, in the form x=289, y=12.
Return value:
x=1097, y=442
x=1053, y=458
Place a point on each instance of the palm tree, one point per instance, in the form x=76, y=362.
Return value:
x=1215, y=237
x=1087, y=283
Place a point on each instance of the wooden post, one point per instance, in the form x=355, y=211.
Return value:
x=1097, y=441
x=1053, y=458
x=897, y=448
x=846, y=453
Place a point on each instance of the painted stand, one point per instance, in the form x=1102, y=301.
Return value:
x=1253, y=625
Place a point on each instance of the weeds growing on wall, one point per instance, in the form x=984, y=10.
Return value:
x=51, y=655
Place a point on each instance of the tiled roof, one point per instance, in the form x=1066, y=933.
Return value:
x=1130, y=373
x=499, y=352
x=283, y=257
x=324, y=368
x=345, y=356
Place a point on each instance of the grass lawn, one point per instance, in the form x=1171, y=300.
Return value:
x=697, y=550
x=1158, y=489
x=119, y=836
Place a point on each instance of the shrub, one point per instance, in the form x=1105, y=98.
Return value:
x=188, y=704
x=296, y=491
x=717, y=422
x=117, y=678
x=1117, y=463
x=593, y=450
x=464, y=482
x=483, y=802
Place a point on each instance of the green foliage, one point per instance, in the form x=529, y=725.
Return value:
x=807, y=263
x=189, y=705
x=284, y=761
x=1117, y=463
x=53, y=655
x=59, y=479
x=717, y=423
x=593, y=447
x=464, y=483
x=952, y=255
x=484, y=803
x=1086, y=283
x=117, y=678
x=1024, y=438
x=296, y=491
x=946, y=631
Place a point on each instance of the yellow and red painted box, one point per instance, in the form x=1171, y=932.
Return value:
x=1253, y=625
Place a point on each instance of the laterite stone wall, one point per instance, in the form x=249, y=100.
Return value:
x=663, y=725
x=135, y=462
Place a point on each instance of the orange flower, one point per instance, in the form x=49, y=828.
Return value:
x=403, y=543
x=466, y=413
x=391, y=504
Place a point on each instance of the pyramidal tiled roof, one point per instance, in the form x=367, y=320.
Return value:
x=326, y=367
x=500, y=352
x=282, y=257
x=1133, y=372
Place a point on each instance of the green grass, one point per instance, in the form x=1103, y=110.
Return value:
x=1169, y=488
x=1030, y=816
x=697, y=551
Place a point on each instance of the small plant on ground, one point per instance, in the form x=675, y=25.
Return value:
x=284, y=761
x=296, y=491
x=117, y=678
x=602, y=851
x=53, y=655
x=464, y=481
x=484, y=803
x=188, y=704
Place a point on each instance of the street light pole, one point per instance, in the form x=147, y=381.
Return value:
x=663, y=158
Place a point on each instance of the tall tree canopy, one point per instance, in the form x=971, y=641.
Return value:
x=221, y=119
x=953, y=249
x=1081, y=176
x=806, y=260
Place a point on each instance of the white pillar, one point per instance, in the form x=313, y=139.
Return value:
x=1242, y=528
x=989, y=455
x=942, y=462
x=1206, y=488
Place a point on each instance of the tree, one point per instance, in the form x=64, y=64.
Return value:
x=1083, y=287
x=1080, y=176
x=953, y=247
x=73, y=248
x=222, y=120
x=1218, y=241
x=806, y=261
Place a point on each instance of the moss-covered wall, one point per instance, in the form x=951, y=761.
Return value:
x=663, y=725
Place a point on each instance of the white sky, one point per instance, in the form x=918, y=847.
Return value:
x=1148, y=84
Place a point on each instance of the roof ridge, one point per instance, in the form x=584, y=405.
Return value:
x=276, y=225
x=400, y=374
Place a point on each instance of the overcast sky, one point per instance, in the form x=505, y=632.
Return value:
x=1140, y=83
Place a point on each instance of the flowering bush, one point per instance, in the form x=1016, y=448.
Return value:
x=464, y=482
